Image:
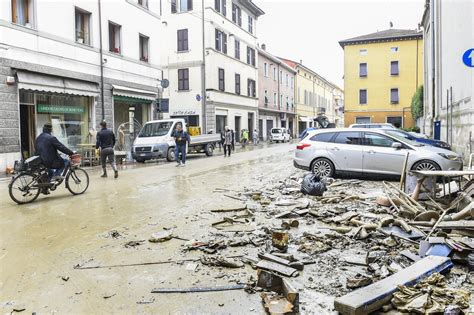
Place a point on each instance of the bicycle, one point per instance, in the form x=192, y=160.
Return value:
x=31, y=178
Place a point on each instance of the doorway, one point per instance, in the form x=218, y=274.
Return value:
x=221, y=122
x=27, y=130
x=250, y=125
x=269, y=127
x=237, y=128
x=260, y=129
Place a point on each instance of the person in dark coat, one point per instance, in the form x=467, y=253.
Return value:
x=47, y=147
x=106, y=143
x=181, y=138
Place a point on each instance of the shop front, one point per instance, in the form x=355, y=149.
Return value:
x=132, y=108
x=67, y=104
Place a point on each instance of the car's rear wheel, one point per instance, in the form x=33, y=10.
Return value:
x=140, y=160
x=426, y=165
x=323, y=167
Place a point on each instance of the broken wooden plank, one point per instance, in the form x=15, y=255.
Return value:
x=372, y=297
x=458, y=225
x=230, y=209
x=199, y=289
x=281, y=269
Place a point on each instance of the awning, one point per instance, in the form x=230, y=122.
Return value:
x=134, y=93
x=53, y=84
x=305, y=119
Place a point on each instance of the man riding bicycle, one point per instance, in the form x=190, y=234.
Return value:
x=47, y=147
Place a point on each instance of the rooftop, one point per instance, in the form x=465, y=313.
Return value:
x=383, y=36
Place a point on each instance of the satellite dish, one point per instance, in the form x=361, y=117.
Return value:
x=165, y=83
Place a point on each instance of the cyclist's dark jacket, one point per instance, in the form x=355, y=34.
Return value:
x=105, y=139
x=47, y=147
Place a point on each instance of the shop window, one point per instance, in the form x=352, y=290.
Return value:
x=23, y=12
x=183, y=79
x=395, y=120
x=236, y=14
x=362, y=120
x=237, y=49
x=362, y=97
x=181, y=6
x=183, y=40
x=221, y=41
x=83, y=27
x=144, y=47
x=221, y=79
x=237, y=84
x=114, y=38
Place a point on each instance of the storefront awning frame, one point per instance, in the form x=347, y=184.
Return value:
x=34, y=81
x=124, y=91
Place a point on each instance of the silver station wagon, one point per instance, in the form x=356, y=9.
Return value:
x=368, y=151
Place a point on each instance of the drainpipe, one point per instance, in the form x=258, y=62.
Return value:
x=101, y=63
x=433, y=62
x=278, y=89
x=203, y=74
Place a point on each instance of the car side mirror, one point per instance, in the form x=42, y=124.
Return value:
x=397, y=145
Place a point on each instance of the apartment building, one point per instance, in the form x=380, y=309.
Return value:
x=449, y=81
x=74, y=63
x=313, y=95
x=276, y=90
x=382, y=72
x=211, y=62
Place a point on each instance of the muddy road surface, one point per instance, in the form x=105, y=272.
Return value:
x=40, y=243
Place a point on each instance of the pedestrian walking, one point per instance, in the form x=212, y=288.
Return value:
x=227, y=141
x=245, y=137
x=106, y=143
x=255, y=137
x=221, y=142
x=233, y=139
x=181, y=139
x=121, y=139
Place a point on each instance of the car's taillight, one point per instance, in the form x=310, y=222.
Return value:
x=301, y=146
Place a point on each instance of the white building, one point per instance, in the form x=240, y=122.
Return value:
x=212, y=52
x=448, y=32
x=337, y=107
x=60, y=63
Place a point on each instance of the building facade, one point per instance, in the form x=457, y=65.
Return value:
x=75, y=76
x=337, y=107
x=211, y=63
x=276, y=90
x=313, y=95
x=449, y=82
x=382, y=71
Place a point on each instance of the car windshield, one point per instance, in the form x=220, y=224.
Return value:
x=398, y=136
x=155, y=129
x=276, y=130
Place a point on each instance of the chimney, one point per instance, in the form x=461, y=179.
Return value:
x=264, y=47
x=301, y=61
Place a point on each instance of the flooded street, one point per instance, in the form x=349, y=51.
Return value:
x=40, y=243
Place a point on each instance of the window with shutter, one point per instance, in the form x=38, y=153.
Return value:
x=183, y=79
x=394, y=68
x=224, y=43
x=362, y=97
x=237, y=49
x=221, y=79
x=394, y=96
x=363, y=70
x=173, y=6
x=237, y=84
x=183, y=40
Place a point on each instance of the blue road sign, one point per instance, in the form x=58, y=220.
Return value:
x=198, y=97
x=468, y=58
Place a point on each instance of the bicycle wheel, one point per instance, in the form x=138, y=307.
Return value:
x=21, y=189
x=77, y=181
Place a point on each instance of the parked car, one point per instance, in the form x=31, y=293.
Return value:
x=373, y=125
x=362, y=151
x=280, y=135
x=306, y=131
x=155, y=141
x=412, y=137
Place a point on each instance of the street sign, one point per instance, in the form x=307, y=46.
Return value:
x=165, y=83
x=468, y=58
x=198, y=97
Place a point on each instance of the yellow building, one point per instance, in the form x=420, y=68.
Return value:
x=381, y=73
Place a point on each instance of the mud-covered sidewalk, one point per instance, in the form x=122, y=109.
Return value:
x=162, y=227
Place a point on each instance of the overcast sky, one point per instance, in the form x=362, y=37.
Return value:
x=310, y=29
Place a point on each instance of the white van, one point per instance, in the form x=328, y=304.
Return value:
x=280, y=135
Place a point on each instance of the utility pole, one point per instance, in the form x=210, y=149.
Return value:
x=101, y=64
x=203, y=74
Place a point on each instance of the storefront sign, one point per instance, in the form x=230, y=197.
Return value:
x=60, y=109
x=183, y=112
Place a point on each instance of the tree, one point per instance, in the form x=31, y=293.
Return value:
x=417, y=103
